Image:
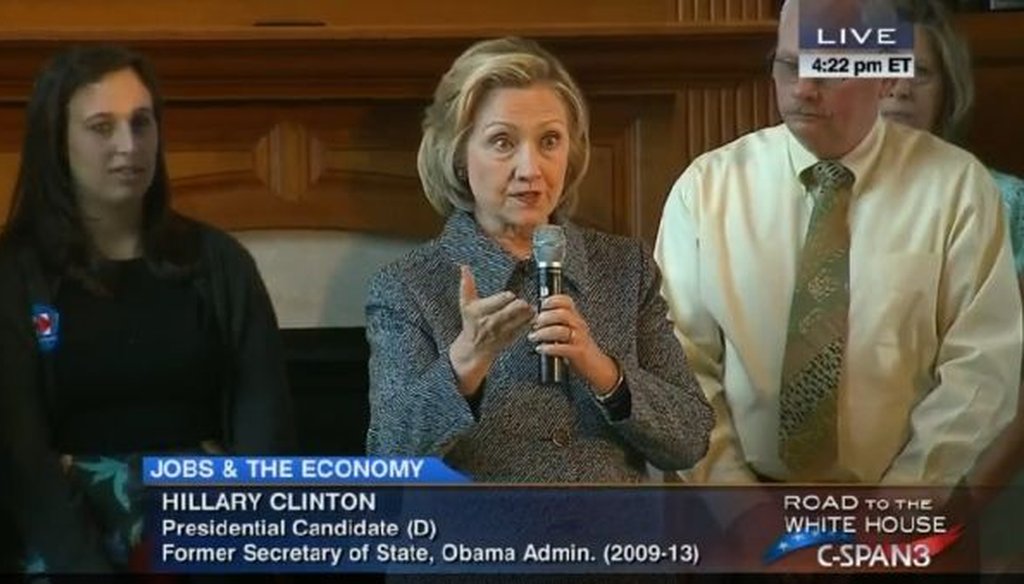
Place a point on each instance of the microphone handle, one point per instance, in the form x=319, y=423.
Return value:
x=553, y=370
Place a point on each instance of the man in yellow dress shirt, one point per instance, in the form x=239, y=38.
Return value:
x=933, y=348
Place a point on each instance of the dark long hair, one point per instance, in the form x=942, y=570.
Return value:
x=44, y=213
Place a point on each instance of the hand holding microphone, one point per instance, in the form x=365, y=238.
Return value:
x=561, y=333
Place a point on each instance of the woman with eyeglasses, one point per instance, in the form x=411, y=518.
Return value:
x=939, y=99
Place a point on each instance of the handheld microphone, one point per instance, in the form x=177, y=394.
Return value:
x=549, y=254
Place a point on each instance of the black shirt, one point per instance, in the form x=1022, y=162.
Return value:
x=136, y=369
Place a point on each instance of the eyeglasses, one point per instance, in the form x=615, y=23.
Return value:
x=787, y=71
x=922, y=75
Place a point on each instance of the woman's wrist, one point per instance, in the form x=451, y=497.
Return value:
x=469, y=365
x=609, y=378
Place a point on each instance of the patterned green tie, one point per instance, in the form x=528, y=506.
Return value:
x=816, y=338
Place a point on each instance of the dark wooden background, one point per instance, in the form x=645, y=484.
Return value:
x=305, y=114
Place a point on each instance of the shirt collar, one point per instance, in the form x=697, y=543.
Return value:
x=465, y=243
x=860, y=160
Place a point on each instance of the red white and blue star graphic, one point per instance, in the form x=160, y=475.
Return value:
x=798, y=540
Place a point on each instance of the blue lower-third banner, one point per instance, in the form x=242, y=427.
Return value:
x=471, y=528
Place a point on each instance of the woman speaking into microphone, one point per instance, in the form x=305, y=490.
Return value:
x=459, y=327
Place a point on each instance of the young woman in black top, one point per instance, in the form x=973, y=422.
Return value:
x=125, y=328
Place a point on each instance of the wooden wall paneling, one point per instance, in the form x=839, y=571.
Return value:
x=284, y=160
x=726, y=10
x=318, y=128
x=708, y=116
x=712, y=115
x=767, y=114
x=607, y=192
x=164, y=14
x=997, y=47
x=369, y=167
x=219, y=162
x=997, y=128
x=760, y=9
x=696, y=10
x=324, y=64
x=360, y=170
x=306, y=132
x=345, y=165
x=632, y=165
x=68, y=15
x=663, y=60
x=8, y=172
x=282, y=65
x=12, y=124
x=657, y=167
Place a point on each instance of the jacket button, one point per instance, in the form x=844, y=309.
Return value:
x=561, y=437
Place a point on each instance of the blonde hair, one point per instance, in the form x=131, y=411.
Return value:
x=955, y=59
x=448, y=121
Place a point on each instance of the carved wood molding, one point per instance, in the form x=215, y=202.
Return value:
x=330, y=63
x=401, y=62
x=317, y=128
x=41, y=15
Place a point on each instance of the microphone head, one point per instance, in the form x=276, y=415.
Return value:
x=549, y=245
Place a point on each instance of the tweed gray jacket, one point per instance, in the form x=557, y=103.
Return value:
x=523, y=431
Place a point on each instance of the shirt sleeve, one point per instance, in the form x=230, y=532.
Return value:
x=261, y=405
x=677, y=252
x=979, y=356
x=415, y=406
